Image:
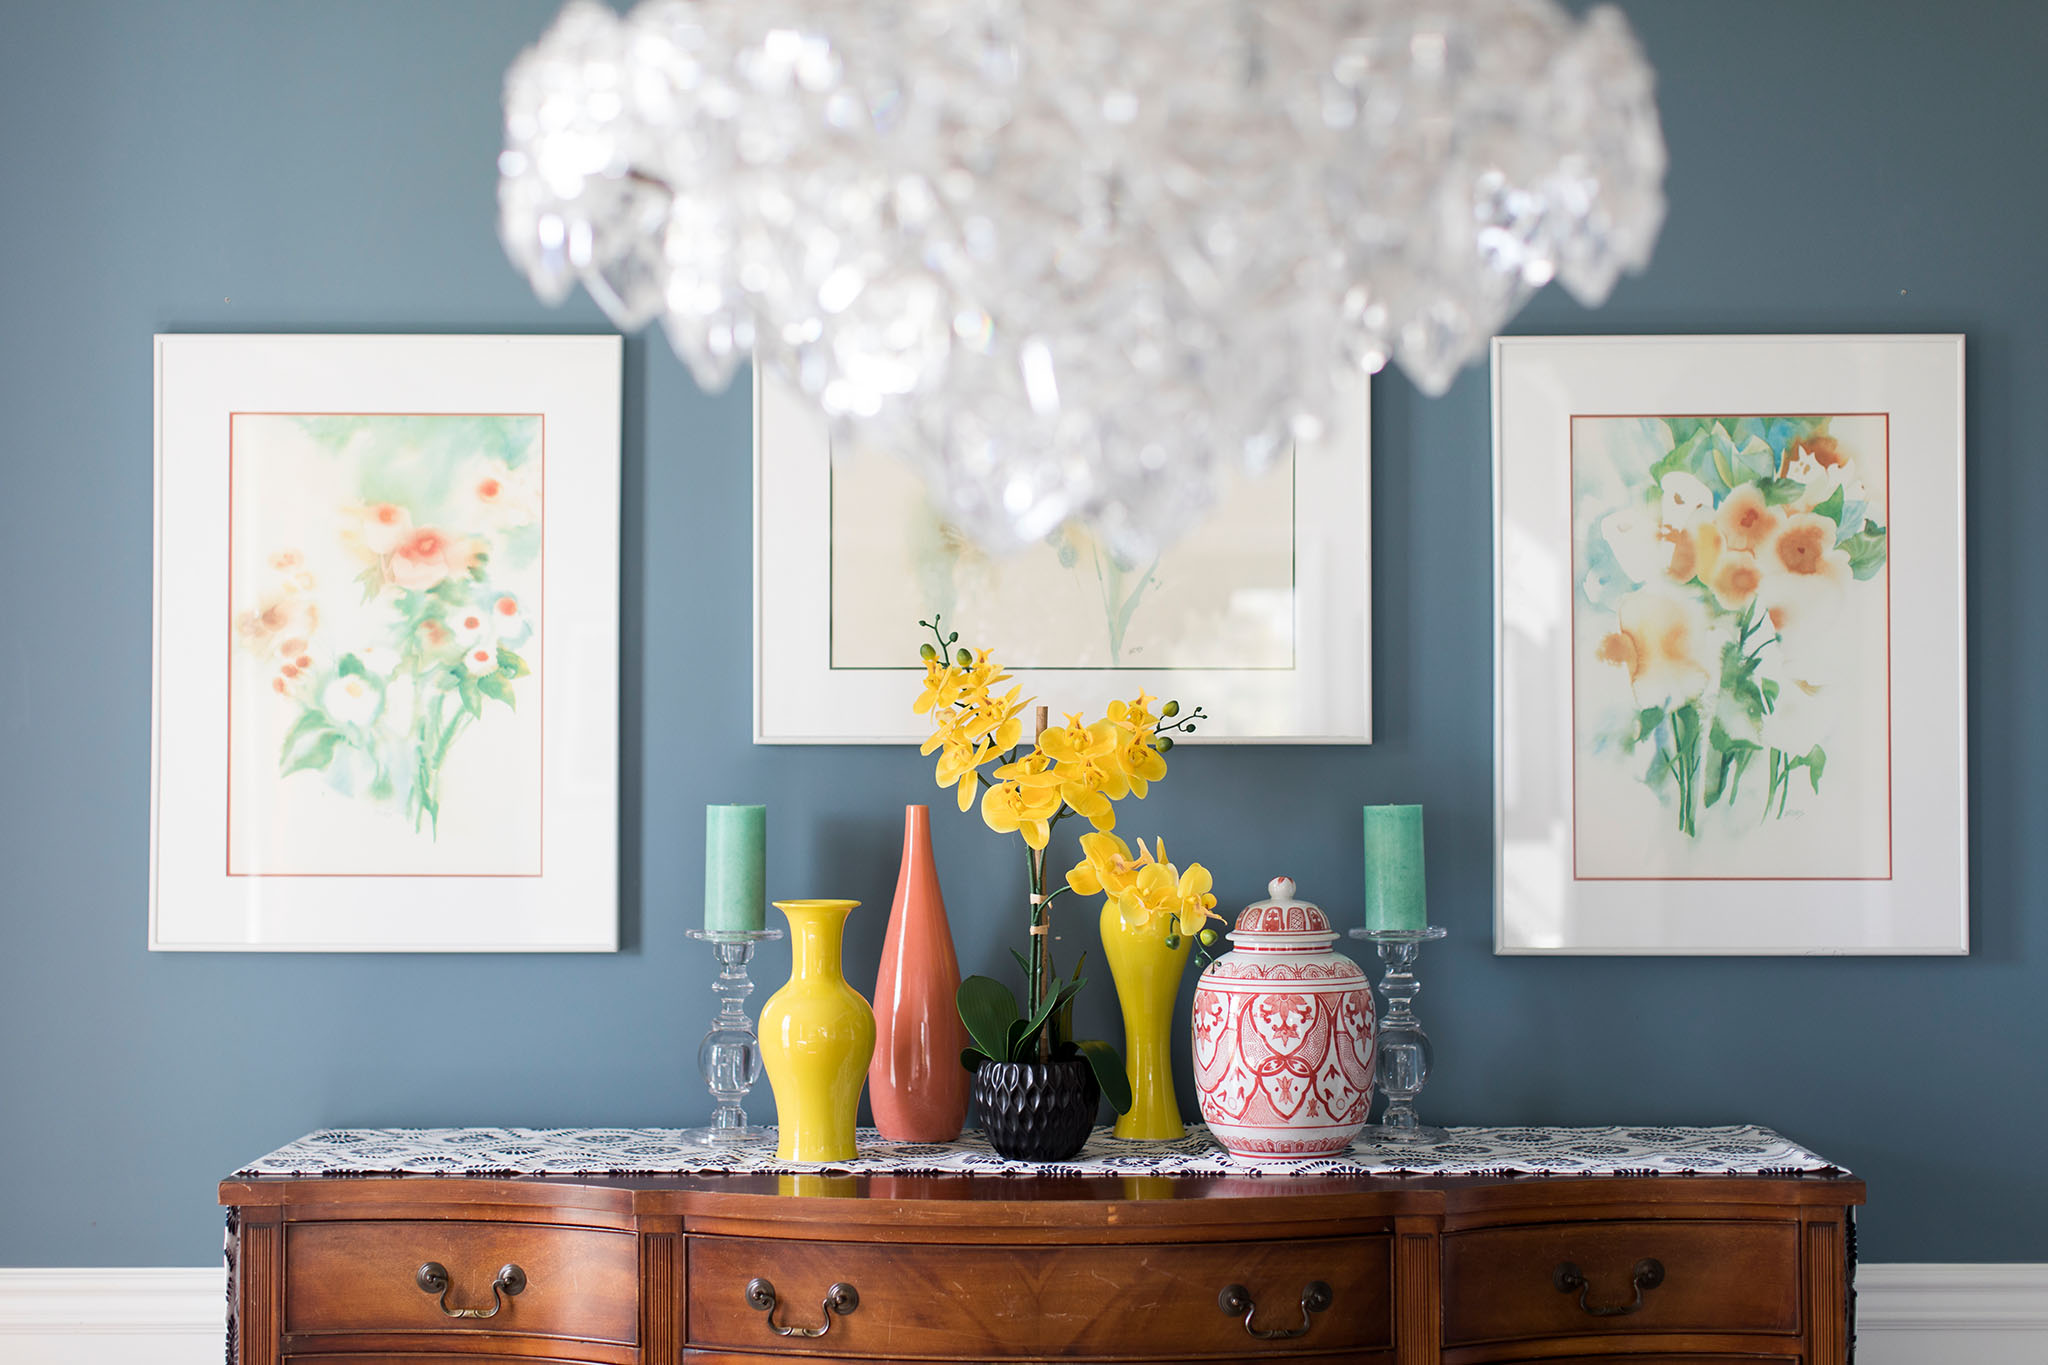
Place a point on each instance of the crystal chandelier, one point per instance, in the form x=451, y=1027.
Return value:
x=1074, y=258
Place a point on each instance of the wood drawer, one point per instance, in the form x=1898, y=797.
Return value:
x=439, y=1358
x=966, y=1302
x=358, y=1277
x=1501, y=1284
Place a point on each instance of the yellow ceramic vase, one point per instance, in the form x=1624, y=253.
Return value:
x=817, y=1037
x=1147, y=975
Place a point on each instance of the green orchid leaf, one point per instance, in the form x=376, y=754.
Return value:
x=1050, y=1006
x=1023, y=964
x=971, y=1059
x=988, y=1008
x=1063, y=1016
x=1019, y=1042
x=1108, y=1067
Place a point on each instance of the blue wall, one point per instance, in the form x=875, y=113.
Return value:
x=298, y=166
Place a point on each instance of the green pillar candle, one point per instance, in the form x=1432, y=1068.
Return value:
x=735, y=868
x=1394, y=897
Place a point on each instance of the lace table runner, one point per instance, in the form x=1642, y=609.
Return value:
x=1734, y=1150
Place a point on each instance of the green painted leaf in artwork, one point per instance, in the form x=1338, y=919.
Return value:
x=372, y=580
x=494, y=686
x=1866, y=551
x=1778, y=491
x=472, y=695
x=1769, y=688
x=314, y=756
x=1735, y=779
x=351, y=666
x=1728, y=752
x=1685, y=729
x=511, y=664
x=1717, y=776
x=1816, y=762
x=1831, y=506
x=310, y=720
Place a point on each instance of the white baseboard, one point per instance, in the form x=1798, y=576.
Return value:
x=1967, y=1314
x=1906, y=1315
x=112, y=1317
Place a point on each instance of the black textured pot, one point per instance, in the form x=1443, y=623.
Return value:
x=1037, y=1111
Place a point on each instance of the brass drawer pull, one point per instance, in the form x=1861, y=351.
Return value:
x=1236, y=1300
x=1648, y=1274
x=432, y=1278
x=840, y=1298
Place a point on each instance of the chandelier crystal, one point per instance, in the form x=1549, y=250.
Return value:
x=1076, y=258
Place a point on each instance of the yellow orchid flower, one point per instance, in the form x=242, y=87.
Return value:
x=949, y=726
x=1010, y=806
x=1140, y=763
x=941, y=686
x=1034, y=769
x=999, y=718
x=1089, y=785
x=1108, y=866
x=1162, y=889
x=1135, y=714
x=983, y=674
x=1075, y=740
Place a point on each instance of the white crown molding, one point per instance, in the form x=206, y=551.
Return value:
x=1907, y=1314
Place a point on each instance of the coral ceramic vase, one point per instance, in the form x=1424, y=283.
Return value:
x=817, y=1035
x=917, y=1086
x=1147, y=975
x=1283, y=1036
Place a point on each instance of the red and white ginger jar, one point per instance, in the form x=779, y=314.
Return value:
x=1283, y=1036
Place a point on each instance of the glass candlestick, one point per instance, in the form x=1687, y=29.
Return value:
x=1403, y=1050
x=730, y=1055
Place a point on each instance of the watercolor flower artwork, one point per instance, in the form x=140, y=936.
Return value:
x=1732, y=647
x=385, y=596
x=1222, y=597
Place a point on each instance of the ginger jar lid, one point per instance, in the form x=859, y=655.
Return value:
x=1283, y=921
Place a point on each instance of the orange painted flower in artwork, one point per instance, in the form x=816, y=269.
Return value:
x=1734, y=579
x=1664, y=644
x=385, y=527
x=1746, y=521
x=1807, y=547
x=428, y=556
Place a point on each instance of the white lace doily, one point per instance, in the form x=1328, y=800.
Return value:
x=1734, y=1150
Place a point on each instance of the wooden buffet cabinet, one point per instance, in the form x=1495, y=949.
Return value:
x=759, y=1269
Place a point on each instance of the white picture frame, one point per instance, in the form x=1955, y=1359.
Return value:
x=500, y=832
x=1889, y=869
x=1322, y=694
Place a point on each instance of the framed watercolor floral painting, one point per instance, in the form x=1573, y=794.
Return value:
x=1262, y=607
x=386, y=643
x=1730, y=658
